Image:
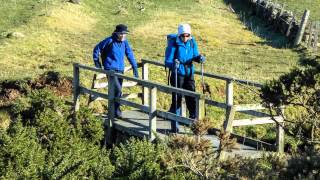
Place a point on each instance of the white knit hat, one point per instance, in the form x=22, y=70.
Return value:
x=184, y=29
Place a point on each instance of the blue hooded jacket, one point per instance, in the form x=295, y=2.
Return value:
x=115, y=53
x=184, y=52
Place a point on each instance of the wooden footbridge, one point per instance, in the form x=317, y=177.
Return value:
x=147, y=120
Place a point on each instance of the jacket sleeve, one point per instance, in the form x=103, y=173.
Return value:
x=169, y=56
x=130, y=55
x=97, y=49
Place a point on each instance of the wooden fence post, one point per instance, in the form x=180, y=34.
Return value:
x=316, y=35
x=76, y=89
x=257, y=7
x=289, y=27
x=302, y=27
x=152, y=113
x=111, y=108
x=310, y=34
x=145, y=90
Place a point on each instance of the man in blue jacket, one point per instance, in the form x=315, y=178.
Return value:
x=113, y=50
x=181, y=51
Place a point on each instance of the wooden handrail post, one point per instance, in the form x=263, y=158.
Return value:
x=302, y=27
x=280, y=136
x=229, y=92
x=76, y=89
x=200, y=105
x=227, y=125
x=230, y=110
x=145, y=90
x=111, y=108
x=183, y=107
x=152, y=113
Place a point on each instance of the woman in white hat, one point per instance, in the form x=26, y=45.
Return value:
x=181, y=51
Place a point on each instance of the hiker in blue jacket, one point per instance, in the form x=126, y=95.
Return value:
x=113, y=50
x=181, y=51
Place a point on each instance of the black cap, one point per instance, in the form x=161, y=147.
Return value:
x=121, y=28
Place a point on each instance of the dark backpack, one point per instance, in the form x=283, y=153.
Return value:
x=105, y=50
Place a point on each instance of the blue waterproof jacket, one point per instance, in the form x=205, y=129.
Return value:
x=116, y=51
x=184, y=52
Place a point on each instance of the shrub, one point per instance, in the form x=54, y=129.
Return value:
x=300, y=90
x=36, y=102
x=21, y=157
x=89, y=126
x=137, y=159
x=46, y=145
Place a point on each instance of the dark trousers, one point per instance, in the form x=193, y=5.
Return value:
x=185, y=82
x=118, y=92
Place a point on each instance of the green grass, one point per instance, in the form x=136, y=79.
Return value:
x=68, y=32
x=60, y=34
x=299, y=6
x=15, y=13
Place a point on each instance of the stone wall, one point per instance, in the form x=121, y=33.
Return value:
x=282, y=20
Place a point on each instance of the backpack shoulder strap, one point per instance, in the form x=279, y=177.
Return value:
x=105, y=50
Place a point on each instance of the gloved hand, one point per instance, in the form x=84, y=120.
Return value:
x=135, y=73
x=200, y=59
x=97, y=64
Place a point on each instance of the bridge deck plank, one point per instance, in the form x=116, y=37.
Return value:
x=136, y=123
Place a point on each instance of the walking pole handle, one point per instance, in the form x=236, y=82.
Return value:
x=177, y=63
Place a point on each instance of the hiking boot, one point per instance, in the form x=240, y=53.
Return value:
x=192, y=116
x=118, y=113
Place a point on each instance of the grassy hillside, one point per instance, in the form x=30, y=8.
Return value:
x=62, y=33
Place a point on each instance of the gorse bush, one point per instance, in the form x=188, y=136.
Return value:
x=22, y=157
x=137, y=159
x=89, y=126
x=52, y=145
x=35, y=103
x=47, y=144
x=302, y=167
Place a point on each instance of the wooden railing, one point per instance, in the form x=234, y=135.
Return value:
x=149, y=91
x=149, y=100
x=231, y=109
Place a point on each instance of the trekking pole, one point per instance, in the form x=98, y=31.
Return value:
x=176, y=82
x=202, y=79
